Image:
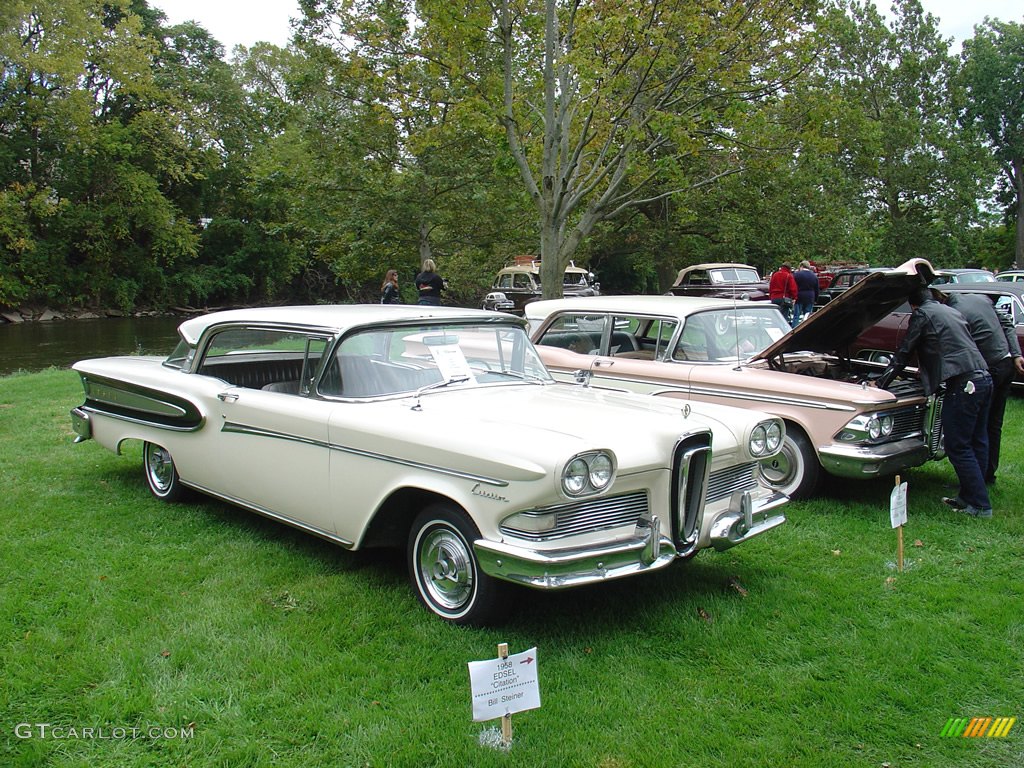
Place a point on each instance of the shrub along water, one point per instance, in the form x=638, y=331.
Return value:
x=137, y=633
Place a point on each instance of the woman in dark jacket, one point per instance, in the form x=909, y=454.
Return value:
x=429, y=284
x=389, y=293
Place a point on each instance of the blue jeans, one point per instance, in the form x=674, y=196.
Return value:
x=802, y=310
x=965, y=427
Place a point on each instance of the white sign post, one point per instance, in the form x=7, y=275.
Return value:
x=898, y=517
x=504, y=686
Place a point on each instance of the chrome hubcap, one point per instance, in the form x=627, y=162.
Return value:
x=161, y=468
x=446, y=569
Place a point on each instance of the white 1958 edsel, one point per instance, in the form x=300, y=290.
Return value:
x=438, y=430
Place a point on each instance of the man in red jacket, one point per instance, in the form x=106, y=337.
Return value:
x=782, y=291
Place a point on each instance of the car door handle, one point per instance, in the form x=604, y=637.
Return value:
x=227, y=397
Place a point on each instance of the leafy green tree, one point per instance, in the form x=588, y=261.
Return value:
x=891, y=107
x=82, y=132
x=636, y=102
x=993, y=74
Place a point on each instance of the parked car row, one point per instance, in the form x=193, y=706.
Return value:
x=501, y=451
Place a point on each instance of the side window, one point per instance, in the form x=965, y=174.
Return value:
x=264, y=358
x=653, y=337
x=576, y=332
x=640, y=338
x=698, y=278
x=522, y=281
x=504, y=281
x=693, y=342
x=1007, y=306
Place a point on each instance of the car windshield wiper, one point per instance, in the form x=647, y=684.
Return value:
x=437, y=385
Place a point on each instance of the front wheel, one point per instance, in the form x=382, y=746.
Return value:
x=444, y=570
x=795, y=469
x=161, y=474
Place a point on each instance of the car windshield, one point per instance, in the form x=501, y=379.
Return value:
x=735, y=333
x=734, y=275
x=403, y=360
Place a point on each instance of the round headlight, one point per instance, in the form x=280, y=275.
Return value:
x=574, y=479
x=758, y=440
x=874, y=428
x=774, y=436
x=886, y=423
x=600, y=471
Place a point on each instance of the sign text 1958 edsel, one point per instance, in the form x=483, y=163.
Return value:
x=438, y=430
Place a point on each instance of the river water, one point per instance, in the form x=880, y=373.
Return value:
x=35, y=346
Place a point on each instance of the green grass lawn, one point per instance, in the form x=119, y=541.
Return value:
x=268, y=647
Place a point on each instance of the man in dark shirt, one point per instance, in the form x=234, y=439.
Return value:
x=996, y=338
x=949, y=359
x=807, y=288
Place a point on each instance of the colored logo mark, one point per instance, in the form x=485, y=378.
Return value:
x=978, y=727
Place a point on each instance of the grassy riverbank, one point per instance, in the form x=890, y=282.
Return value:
x=147, y=634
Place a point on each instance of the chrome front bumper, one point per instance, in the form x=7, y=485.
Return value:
x=648, y=550
x=859, y=461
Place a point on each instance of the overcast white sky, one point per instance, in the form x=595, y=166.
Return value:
x=244, y=22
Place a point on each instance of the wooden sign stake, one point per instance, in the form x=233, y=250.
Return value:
x=506, y=719
x=899, y=540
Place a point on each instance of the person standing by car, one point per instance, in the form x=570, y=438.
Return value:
x=948, y=357
x=807, y=288
x=782, y=291
x=429, y=284
x=389, y=293
x=996, y=338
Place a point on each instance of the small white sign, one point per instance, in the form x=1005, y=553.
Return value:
x=452, y=363
x=504, y=686
x=898, y=505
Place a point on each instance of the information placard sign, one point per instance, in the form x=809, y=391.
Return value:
x=898, y=505
x=504, y=686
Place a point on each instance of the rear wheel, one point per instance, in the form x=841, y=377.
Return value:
x=161, y=474
x=444, y=569
x=795, y=470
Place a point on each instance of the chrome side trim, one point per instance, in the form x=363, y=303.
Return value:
x=273, y=515
x=139, y=420
x=764, y=397
x=497, y=482
x=141, y=405
x=244, y=429
x=615, y=382
x=125, y=396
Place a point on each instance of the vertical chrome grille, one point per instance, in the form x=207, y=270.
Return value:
x=935, y=427
x=690, y=467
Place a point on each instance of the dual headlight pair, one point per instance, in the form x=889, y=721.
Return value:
x=588, y=473
x=868, y=427
x=765, y=438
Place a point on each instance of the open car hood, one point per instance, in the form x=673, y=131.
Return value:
x=835, y=326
